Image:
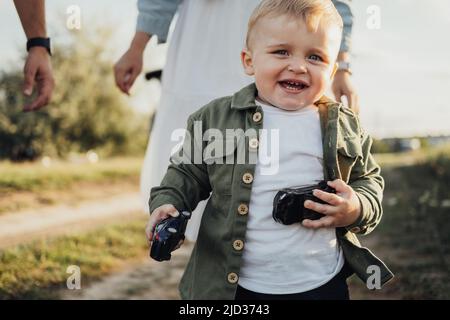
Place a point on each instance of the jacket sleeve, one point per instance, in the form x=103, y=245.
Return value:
x=155, y=17
x=345, y=10
x=186, y=182
x=366, y=180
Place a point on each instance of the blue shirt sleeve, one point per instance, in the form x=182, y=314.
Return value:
x=155, y=16
x=345, y=10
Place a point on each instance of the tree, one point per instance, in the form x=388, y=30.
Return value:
x=87, y=111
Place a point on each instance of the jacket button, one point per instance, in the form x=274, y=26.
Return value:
x=355, y=229
x=247, y=178
x=238, y=245
x=243, y=209
x=257, y=116
x=233, y=278
x=253, y=143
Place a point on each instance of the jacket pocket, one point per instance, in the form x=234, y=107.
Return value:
x=220, y=159
x=349, y=151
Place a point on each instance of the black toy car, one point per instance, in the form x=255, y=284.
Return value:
x=288, y=204
x=167, y=235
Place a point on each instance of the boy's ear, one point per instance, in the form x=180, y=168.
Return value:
x=247, y=62
x=335, y=67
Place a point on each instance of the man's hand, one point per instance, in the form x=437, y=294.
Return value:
x=341, y=210
x=342, y=86
x=157, y=216
x=38, y=72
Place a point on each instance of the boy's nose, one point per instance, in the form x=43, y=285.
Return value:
x=297, y=67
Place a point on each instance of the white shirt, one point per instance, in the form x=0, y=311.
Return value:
x=280, y=259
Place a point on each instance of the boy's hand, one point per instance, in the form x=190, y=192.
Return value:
x=157, y=216
x=342, y=208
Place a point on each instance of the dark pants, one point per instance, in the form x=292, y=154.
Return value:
x=335, y=289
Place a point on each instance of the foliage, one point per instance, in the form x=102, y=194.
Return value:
x=87, y=110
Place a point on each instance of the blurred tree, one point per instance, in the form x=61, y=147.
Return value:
x=87, y=111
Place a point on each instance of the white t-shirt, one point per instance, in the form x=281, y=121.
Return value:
x=277, y=258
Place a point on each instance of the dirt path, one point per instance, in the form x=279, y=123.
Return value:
x=148, y=279
x=145, y=279
x=18, y=228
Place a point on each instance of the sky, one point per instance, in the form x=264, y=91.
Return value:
x=401, y=70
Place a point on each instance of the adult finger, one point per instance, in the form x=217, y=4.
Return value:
x=337, y=94
x=119, y=76
x=29, y=76
x=45, y=86
x=134, y=72
x=355, y=107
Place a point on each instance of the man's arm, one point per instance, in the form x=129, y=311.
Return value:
x=37, y=68
x=32, y=16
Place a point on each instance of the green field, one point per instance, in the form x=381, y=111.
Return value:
x=62, y=174
x=31, y=185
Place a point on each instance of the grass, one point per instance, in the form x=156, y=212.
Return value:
x=417, y=222
x=36, y=177
x=32, y=185
x=402, y=159
x=38, y=270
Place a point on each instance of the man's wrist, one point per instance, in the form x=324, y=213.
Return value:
x=38, y=42
x=40, y=50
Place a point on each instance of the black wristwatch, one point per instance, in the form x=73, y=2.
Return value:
x=39, y=42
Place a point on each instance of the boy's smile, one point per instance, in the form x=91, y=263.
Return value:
x=292, y=64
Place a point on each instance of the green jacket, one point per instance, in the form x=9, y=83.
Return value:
x=213, y=268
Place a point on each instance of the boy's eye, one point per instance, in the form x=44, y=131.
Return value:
x=315, y=57
x=281, y=52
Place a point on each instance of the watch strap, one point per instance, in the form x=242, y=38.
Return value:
x=39, y=42
x=344, y=66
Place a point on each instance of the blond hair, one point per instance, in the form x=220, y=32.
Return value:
x=311, y=11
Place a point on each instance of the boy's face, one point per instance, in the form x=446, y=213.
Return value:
x=291, y=65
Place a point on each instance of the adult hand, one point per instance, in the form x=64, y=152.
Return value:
x=128, y=68
x=130, y=64
x=341, y=209
x=342, y=86
x=38, y=72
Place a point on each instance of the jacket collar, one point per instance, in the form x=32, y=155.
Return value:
x=245, y=99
